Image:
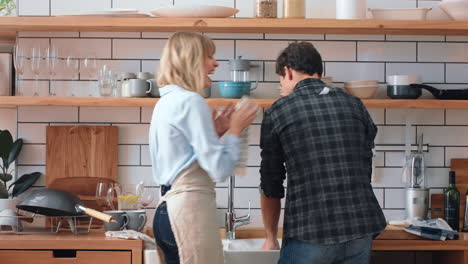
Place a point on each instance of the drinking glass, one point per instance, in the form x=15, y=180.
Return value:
x=106, y=81
x=102, y=195
x=90, y=67
x=36, y=65
x=147, y=197
x=72, y=66
x=53, y=62
x=18, y=62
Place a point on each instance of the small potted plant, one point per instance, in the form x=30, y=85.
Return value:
x=9, y=151
x=7, y=7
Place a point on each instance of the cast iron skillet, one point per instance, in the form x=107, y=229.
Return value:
x=455, y=94
x=52, y=202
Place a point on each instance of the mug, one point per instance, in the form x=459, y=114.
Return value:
x=154, y=91
x=136, y=219
x=120, y=221
x=139, y=87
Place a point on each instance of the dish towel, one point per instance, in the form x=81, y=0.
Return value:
x=435, y=229
x=150, y=243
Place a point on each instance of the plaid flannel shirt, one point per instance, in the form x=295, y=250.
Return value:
x=324, y=142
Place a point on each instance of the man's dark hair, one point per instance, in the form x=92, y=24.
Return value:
x=300, y=56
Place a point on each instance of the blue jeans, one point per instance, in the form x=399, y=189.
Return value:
x=356, y=251
x=164, y=235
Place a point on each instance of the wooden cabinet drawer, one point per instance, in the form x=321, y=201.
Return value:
x=65, y=257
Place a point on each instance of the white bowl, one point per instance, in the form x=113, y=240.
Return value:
x=360, y=83
x=456, y=9
x=403, y=79
x=363, y=92
x=399, y=13
x=194, y=11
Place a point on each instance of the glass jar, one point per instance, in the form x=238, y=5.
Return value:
x=294, y=8
x=266, y=8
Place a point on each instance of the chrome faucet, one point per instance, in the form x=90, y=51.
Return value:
x=231, y=221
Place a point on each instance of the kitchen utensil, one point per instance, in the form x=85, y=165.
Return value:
x=456, y=9
x=399, y=13
x=81, y=151
x=9, y=221
x=460, y=166
x=362, y=89
x=121, y=221
x=234, y=89
x=51, y=202
x=351, y=9
x=398, y=87
x=136, y=219
x=455, y=94
x=140, y=87
x=194, y=11
x=154, y=91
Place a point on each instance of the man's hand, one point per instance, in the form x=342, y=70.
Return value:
x=222, y=121
x=271, y=244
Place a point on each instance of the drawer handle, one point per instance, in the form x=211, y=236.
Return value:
x=65, y=253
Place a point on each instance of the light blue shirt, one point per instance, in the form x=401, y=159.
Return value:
x=182, y=131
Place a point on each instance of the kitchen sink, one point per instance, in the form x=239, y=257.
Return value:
x=246, y=251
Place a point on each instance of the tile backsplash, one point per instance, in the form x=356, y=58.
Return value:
x=441, y=61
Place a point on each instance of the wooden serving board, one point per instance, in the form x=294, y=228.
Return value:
x=81, y=151
x=460, y=166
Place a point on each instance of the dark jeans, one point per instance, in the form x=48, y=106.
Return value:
x=163, y=232
x=356, y=251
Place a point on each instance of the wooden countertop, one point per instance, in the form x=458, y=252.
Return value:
x=95, y=239
x=393, y=238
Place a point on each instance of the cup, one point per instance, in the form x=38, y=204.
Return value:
x=154, y=91
x=120, y=221
x=139, y=87
x=136, y=219
x=145, y=75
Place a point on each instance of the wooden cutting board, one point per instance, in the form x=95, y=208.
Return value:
x=460, y=166
x=81, y=151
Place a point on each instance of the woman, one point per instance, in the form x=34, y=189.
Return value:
x=187, y=154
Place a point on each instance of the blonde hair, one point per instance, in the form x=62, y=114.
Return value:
x=183, y=59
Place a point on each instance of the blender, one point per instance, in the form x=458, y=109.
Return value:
x=417, y=194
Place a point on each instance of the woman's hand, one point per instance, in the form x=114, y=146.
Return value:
x=271, y=244
x=222, y=122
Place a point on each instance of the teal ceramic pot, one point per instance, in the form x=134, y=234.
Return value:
x=234, y=89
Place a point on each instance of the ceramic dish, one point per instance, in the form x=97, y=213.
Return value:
x=195, y=11
x=104, y=14
x=399, y=13
x=456, y=9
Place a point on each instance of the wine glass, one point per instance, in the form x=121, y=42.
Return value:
x=102, y=193
x=36, y=65
x=147, y=197
x=90, y=67
x=53, y=61
x=72, y=66
x=18, y=62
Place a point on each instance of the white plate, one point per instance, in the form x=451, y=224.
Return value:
x=107, y=15
x=121, y=10
x=195, y=11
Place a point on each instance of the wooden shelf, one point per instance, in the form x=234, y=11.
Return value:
x=10, y=25
x=14, y=101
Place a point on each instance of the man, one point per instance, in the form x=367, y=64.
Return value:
x=323, y=138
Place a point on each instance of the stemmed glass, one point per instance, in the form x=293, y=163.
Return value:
x=146, y=197
x=53, y=65
x=90, y=66
x=36, y=65
x=18, y=61
x=72, y=66
x=103, y=198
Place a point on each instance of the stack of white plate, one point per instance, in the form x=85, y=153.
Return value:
x=362, y=89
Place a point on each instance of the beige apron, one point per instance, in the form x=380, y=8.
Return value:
x=191, y=206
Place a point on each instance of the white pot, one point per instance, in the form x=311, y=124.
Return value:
x=8, y=204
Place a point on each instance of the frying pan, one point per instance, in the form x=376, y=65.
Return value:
x=452, y=94
x=52, y=202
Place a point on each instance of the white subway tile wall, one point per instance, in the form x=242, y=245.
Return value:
x=439, y=60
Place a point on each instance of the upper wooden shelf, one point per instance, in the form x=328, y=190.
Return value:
x=10, y=25
x=14, y=101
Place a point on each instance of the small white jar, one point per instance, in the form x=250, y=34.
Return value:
x=351, y=9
